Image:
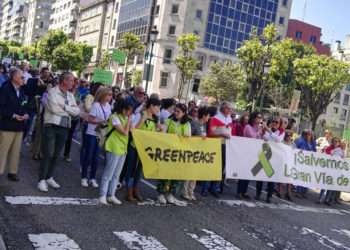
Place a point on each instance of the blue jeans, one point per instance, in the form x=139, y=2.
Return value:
x=111, y=173
x=91, y=155
x=301, y=190
x=83, y=143
x=133, y=168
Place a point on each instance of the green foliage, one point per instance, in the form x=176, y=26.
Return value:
x=4, y=48
x=185, y=62
x=68, y=56
x=47, y=44
x=105, y=60
x=224, y=82
x=87, y=52
x=318, y=78
x=131, y=45
x=136, y=78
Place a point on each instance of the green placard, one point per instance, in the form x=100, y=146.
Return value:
x=346, y=134
x=34, y=63
x=118, y=56
x=20, y=56
x=103, y=76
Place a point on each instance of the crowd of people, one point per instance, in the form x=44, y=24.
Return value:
x=46, y=112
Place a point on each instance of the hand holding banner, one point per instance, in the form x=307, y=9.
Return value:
x=168, y=156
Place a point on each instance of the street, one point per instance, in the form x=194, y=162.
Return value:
x=70, y=218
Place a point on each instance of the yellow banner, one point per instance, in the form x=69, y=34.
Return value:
x=168, y=156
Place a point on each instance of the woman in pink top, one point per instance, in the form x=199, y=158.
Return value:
x=252, y=130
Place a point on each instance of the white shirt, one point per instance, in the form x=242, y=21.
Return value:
x=101, y=113
x=276, y=136
x=26, y=76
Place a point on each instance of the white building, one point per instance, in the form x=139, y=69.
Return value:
x=13, y=20
x=221, y=25
x=64, y=16
x=337, y=114
x=38, y=19
x=97, y=26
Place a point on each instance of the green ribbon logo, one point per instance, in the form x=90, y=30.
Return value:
x=264, y=163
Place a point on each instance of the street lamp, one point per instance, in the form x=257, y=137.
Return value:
x=153, y=38
x=262, y=96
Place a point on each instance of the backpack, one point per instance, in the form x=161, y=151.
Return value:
x=102, y=134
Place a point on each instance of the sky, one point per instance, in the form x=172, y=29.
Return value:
x=330, y=15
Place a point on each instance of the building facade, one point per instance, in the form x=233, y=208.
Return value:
x=13, y=21
x=337, y=115
x=64, y=16
x=308, y=34
x=222, y=26
x=97, y=26
x=38, y=19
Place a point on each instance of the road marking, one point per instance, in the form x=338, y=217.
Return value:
x=323, y=240
x=343, y=232
x=52, y=242
x=135, y=241
x=238, y=203
x=56, y=201
x=211, y=240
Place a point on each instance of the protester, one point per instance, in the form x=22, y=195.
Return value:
x=243, y=121
x=307, y=143
x=137, y=98
x=288, y=187
x=59, y=109
x=98, y=116
x=13, y=115
x=252, y=130
x=178, y=124
x=335, y=149
x=220, y=126
x=324, y=142
x=116, y=148
x=198, y=128
x=271, y=132
x=25, y=67
x=147, y=120
x=167, y=109
x=3, y=75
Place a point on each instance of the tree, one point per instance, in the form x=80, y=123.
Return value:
x=50, y=42
x=87, y=52
x=253, y=56
x=185, y=62
x=136, y=78
x=105, y=60
x=224, y=82
x=4, y=49
x=319, y=78
x=131, y=45
x=68, y=56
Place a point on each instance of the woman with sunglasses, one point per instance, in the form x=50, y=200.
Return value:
x=147, y=120
x=179, y=124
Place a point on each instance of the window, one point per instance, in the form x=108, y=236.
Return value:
x=335, y=110
x=114, y=24
x=199, y=14
x=312, y=39
x=196, y=32
x=164, y=79
x=167, y=56
x=112, y=40
x=343, y=114
x=346, y=100
x=337, y=98
x=285, y=3
x=196, y=83
x=175, y=9
x=172, y=29
x=281, y=21
x=41, y=24
x=298, y=35
x=156, y=11
x=201, y=59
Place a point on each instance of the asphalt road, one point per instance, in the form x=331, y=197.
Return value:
x=30, y=219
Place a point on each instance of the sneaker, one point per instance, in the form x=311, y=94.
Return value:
x=94, y=183
x=187, y=197
x=114, y=200
x=52, y=183
x=103, y=200
x=84, y=183
x=193, y=197
x=172, y=200
x=68, y=159
x=42, y=186
x=161, y=199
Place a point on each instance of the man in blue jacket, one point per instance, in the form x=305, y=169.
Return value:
x=13, y=115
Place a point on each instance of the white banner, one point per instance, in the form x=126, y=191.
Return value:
x=258, y=160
